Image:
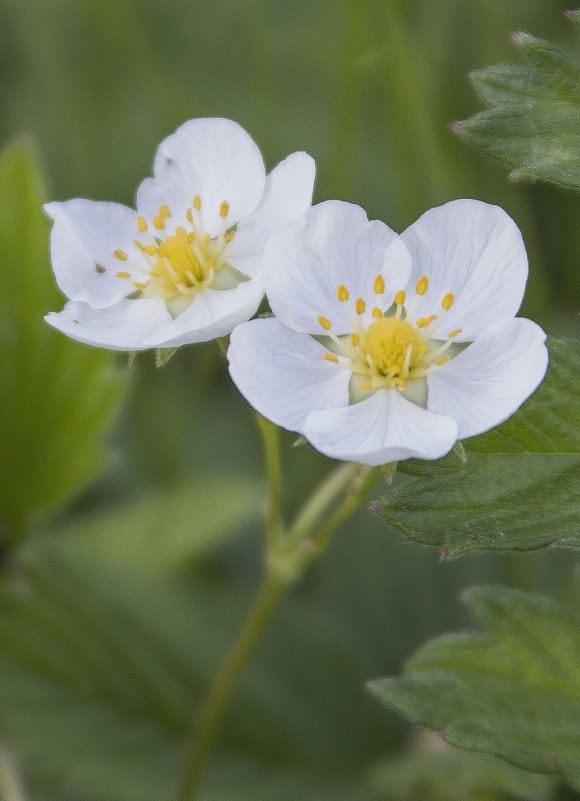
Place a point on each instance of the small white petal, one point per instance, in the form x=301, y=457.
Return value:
x=334, y=245
x=491, y=378
x=474, y=251
x=283, y=374
x=124, y=326
x=212, y=313
x=385, y=428
x=84, y=238
x=287, y=195
x=217, y=160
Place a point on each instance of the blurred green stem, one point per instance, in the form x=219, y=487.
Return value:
x=288, y=555
x=10, y=789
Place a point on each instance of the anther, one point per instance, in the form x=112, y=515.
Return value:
x=123, y=275
x=324, y=323
x=400, y=298
x=228, y=237
x=142, y=224
x=224, y=208
x=379, y=286
x=164, y=211
x=377, y=313
x=343, y=293
x=189, y=215
x=139, y=286
x=355, y=339
x=197, y=203
x=423, y=322
x=366, y=385
x=455, y=333
x=180, y=231
x=330, y=357
x=422, y=285
x=206, y=240
x=159, y=222
x=447, y=301
x=443, y=360
x=360, y=306
x=121, y=255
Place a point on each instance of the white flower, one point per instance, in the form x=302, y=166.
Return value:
x=387, y=347
x=186, y=266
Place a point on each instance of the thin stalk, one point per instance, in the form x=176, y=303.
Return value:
x=212, y=711
x=10, y=788
x=274, y=522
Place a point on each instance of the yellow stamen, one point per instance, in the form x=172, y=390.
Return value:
x=330, y=357
x=197, y=203
x=421, y=287
x=379, y=286
x=398, y=383
x=360, y=306
x=140, y=286
x=443, y=360
x=455, y=333
x=324, y=323
x=123, y=275
x=206, y=239
x=189, y=215
x=180, y=231
x=423, y=322
x=121, y=255
x=230, y=236
x=209, y=263
x=355, y=339
x=343, y=293
x=164, y=211
x=159, y=222
x=447, y=301
x=142, y=224
x=366, y=385
x=400, y=298
x=224, y=208
x=377, y=313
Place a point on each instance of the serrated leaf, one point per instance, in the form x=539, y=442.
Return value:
x=514, y=694
x=166, y=530
x=58, y=397
x=436, y=772
x=533, y=124
x=519, y=487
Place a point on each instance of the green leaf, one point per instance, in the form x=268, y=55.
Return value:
x=165, y=530
x=533, y=124
x=514, y=693
x=58, y=397
x=436, y=772
x=102, y=669
x=519, y=486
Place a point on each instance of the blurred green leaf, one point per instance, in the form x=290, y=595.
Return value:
x=514, y=693
x=436, y=772
x=58, y=397
x=519, y=486
x=102, y=669
x=166, y=530
x=533, y=124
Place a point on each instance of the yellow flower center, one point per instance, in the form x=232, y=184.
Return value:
x=394, y=352
x=390, y=344
x=182, y=263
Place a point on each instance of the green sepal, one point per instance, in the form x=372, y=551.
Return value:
x=163, y=355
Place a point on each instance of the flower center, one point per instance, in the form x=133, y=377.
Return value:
x=390, y=344
x=392, y=352
x=180, y=264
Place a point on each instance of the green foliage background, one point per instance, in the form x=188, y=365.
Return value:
x=104, y=654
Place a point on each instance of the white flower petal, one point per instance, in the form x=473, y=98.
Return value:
x=474, y=251
x=124, y=326
x=287, y=195
x=152, y=194
x=333, y=245
x=217, y=160
x=283, y=374
x=491, y=378
x=212, y=313
x=84, y=238
x=385, y=428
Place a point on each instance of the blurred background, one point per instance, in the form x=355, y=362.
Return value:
x=122, y=588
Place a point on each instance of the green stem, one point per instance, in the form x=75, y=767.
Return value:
x=212, y=710
x=274, y=522
x=10, y=789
